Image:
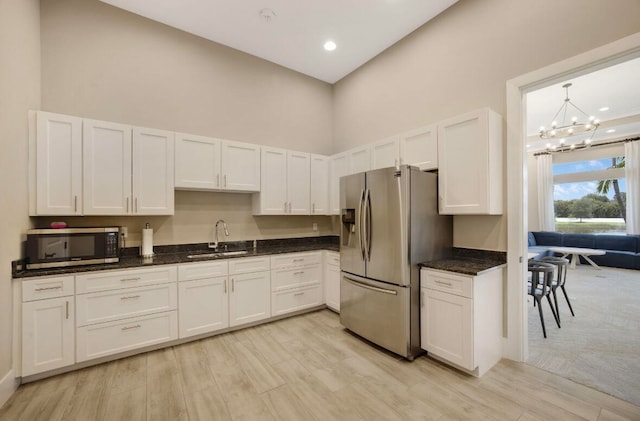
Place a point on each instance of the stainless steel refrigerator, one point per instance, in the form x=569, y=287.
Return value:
x=389, y=224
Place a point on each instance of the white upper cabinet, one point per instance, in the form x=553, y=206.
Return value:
x=338, y=166
x=205, y=163
x=197, y=162
x=359, y=159
x=127, y=171
x=58, y=165
x=385, y=153
x=319, y=185
x=285, y=183
x=420, y=148
x=153, y=188
x=470, y=164
x=107, y=168
x=240, y=166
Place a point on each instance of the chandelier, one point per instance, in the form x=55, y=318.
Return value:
x=567, y=128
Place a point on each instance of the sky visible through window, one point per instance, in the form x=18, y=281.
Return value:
x=569, y=191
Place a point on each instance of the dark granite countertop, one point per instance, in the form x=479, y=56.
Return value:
x=469, y=261
x=168, y=255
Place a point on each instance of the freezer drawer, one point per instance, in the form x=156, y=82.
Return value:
x=376, y=311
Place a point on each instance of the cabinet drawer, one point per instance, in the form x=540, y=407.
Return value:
x=287, y=301
x=295, y=259
x=107, y=306
x=105, y=281
x=191, y=271
x=248, y=265
x=297, y=277
x=448, y=282
x=333, y=259
x=38, y=289
x=110, y=338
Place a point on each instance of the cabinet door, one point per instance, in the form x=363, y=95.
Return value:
x=197, y=162
x=203, y=306
x=470, y=164
x=106, y=168
x=319, y=185
x=420, y=148
x=250, y=298
x=152, y=172
x=272, y=199
x=48, y=335
x=58, y=164
x=359, y=159
x=338, y=166
x=240, y=166
x=332, y=286
x=298, y=182
x=447, y=327
x=385, y=153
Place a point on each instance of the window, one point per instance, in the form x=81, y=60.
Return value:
x=590, y=196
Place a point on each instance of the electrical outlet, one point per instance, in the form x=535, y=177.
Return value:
x=124, y=232
x=315, y=226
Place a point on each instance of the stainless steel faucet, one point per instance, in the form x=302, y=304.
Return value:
x=226, y=233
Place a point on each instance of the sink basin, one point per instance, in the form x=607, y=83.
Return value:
x=217, y=254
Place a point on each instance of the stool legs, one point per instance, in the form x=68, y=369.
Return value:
x=564, y=291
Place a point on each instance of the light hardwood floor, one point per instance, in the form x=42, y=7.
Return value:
x=303, y=368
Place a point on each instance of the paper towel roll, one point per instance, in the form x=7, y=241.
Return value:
x=147, y=242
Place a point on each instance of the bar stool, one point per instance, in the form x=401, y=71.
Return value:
x=539, y=288
x=560, y=279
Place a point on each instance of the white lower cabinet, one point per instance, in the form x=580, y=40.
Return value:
x=48, y=334
x=461, y=318
x=296, y=282
x=249, y=299
x=332, y=280
x=102, y=339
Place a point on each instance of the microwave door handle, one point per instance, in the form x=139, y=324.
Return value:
x=361, y=224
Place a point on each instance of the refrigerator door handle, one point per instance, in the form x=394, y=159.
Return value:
x=367, y=212
x=361, y=224
x=369, y=287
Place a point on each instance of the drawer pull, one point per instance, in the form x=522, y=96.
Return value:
x=299, y=272
x=442, y=283
x=66, y=305
x=298, y=293
x=129, y=279
x=129, y=297
x=48, y=288
x=131, y=327
x=298, y=260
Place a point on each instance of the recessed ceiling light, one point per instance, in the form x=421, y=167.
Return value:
x=611, y=131
x=604, y=109
x=329, y=45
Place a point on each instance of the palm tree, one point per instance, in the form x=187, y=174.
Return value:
x=604, y=186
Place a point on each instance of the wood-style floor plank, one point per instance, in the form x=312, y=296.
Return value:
x=303, y=368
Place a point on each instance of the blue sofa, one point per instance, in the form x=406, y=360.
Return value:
x=623, y=251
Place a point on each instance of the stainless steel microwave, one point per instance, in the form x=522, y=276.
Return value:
x=49, y=248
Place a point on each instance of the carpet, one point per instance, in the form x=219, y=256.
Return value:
x=600, y=346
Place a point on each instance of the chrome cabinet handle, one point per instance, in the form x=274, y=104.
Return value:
x=131, y=327
x=127, y=204
x=136, y=202
x=298, y=273
x=233, y=285
x=299, y=293
x=129, y=279
x=225, y=286
x=75, y=203
x=67, y=309
x=298, y=260
x=48, y=288
x=285, y=207
x=129, y=297
x=217, y=180
x=225, y=180
x=442, y=283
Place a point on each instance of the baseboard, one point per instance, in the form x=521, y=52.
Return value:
x=8, y=385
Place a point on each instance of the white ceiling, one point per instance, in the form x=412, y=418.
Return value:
x=616, y=87
x=295, y=36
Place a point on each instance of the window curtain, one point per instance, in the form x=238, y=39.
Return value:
x=546, y=217
x=632, y=176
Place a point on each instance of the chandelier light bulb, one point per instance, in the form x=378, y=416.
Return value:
x=569, y=120
x=570, y=131
x=574, y=119
x=587, y=126
x=562, y=141
x=554, y=124
x=548, y=145
x=587, y=141
x=573, y=146
x=596, y=121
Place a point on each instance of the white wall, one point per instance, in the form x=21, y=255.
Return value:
x=461, y=61
x=101, y=62
x=19, y=91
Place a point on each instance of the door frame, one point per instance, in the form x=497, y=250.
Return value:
x=516, y=342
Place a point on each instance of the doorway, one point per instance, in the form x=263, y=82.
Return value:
x=516, y=346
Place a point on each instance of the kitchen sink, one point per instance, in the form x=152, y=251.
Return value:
x=217, y=254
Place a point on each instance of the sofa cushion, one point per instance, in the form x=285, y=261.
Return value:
x=540, y=251
x=614, y=258
x=548, y=238
x=532, y=239
x=579, y=240
x=616, y=242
